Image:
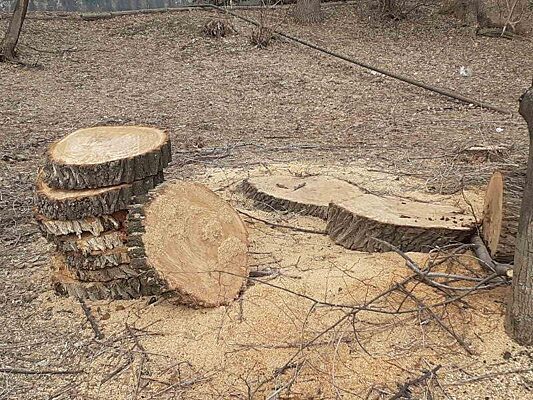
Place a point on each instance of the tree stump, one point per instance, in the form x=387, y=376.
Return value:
x=194, y=240
x=501, y=212
x=408, y=225
x=106, y=156
x=308, y=196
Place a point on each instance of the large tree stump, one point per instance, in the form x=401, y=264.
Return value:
x=408, y=225
x=194, y=240
x=308, y=196
x=106, y=156
x=61, y=204
x=501, y=212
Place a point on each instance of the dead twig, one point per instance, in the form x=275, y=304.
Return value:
x=22, y=371
x=87, y=311
x=404, y=390
x=294, y=228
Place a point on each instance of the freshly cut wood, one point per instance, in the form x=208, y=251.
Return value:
x=501, y=213
x=63, y=204
x=88, y=244
x=194, y=240
x=408, y=225
x=93, y=225
x=106, y=156
x=101, y=260
x=309, y=195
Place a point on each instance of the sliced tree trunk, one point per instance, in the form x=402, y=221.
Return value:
x=121, y=271
x=194, y=240
x=308, y=11
x=520, y=310
x=98, y=261
x=93, y=225
x=408, y=225
x=11, y=39
x=62, y=204
x=308, y=196
x=88, y=244
x=501, y=213
x=106, y=156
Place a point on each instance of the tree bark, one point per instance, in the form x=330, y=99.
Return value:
x=520, y=310
x=308, y=11
x=13, y=31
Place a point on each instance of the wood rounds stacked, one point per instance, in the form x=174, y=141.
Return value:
x=82, y=196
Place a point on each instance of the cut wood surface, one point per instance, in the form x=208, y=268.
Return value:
x=93, y=225
x=195, y=241
x=106, y=156
x=309, y=195
x=63, y=204
x=501, y=213
x=406, y=224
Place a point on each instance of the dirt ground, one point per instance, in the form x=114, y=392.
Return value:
x=233, y=111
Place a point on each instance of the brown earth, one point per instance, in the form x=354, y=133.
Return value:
x=233, y=110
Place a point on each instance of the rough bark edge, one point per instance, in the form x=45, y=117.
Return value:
x=135, y=225
x=268, y=202
x=93, y=262
x=122, y=271
x=93, y=225
x=115, y=198
x=356, y=232
x=89, y=244
x=69, y=176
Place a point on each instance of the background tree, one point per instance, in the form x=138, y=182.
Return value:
x=13, y=31
x=308, y=11
x=520, y=310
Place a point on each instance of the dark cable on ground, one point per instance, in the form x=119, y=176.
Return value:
x=405, y=79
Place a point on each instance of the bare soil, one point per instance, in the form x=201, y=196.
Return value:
x=233, y=110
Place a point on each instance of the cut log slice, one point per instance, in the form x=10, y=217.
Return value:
x=408, y=225
x=98, y=261
x=62, y=204
x=122, y=271
x=501, y=213
x=106, y=156
x=309, y=196
x=195, y=241
x=93, y=225
x=88, y=244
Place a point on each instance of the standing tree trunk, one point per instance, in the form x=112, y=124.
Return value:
x=13, y=31
x=520, y=310
x=308, y=11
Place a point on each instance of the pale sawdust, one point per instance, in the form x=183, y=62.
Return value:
x=233, y=351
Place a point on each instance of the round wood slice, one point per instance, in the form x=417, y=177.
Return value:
x=122, y=271
x=99, y=260
x=309, y=196
x=501, y=213
x=93, y=225
x=88, y=244
x=106, y=156
x=118, y=289
x=63, y=204
x=408, y=225
x=194, y=240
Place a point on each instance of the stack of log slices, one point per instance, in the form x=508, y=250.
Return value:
x=355, y=218
x=122, y=234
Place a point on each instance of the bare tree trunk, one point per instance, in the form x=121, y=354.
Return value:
x=13, y=31
x=308, y=11
x=520, y=311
